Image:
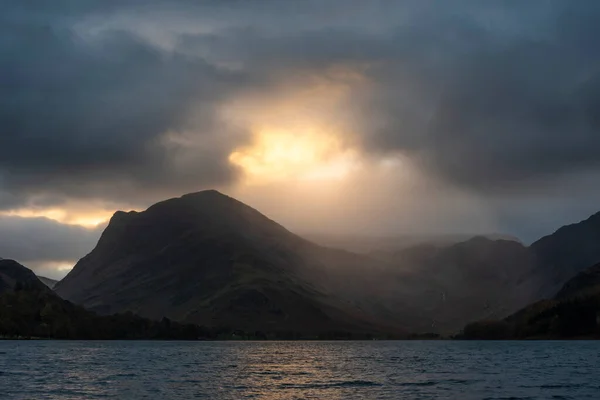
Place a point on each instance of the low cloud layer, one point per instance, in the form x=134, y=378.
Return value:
x=122, y=104
x=45, y=245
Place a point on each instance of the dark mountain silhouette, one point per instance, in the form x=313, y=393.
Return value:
x=209, y=259
x=28, y=308
x=573, y=313
x=565, y=253
x=14, y=276
x=585, y=283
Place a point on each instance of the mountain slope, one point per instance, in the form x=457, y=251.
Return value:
x=565, y=253
x=209, y=259
x=476, y=279
x=583, y=284
x=28, y=308
x=48, y=282
x=13, y=276
x=573, y=313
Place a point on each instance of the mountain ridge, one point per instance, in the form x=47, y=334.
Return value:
x=214, y=261
x=208, y=258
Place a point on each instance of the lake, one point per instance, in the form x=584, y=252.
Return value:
x=300, y=370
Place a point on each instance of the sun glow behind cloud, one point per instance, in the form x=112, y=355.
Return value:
x=299, y=132
x=310, y=155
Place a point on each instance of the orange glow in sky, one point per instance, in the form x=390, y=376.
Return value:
x=280, y=155
x=298, y=132
x=86, y=218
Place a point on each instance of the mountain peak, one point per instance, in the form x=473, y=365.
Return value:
x=196, y=198
x=205, y=193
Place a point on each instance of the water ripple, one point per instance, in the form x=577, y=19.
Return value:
x=299, y=370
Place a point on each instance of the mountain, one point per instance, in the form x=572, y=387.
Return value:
x=585, y=283
x=48, y=282
x=573, y=313
x=387, y=245
x=28, y=308
x=208, y=259
x=480, y=278
x=13, y=276
x=566, y=252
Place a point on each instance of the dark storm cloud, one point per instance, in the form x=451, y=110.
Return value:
x=514, y=111
x=483, y=94
x=488, y=95
x=500, y=97
x=80, y=115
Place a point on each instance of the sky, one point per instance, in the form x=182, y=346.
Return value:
x=338, y=116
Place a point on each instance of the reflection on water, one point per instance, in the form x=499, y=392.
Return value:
x=299, y=370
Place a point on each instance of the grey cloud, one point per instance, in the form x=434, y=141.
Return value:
x=35, y=241
x=83, y=115
x=496, y=97
x=487, y=95
x=501, y=111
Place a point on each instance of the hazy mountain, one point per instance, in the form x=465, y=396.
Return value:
x=573, y=313
x=209, y=259
x=386, y=245
x=475, y=279
x=48, y=282
x=505, y=275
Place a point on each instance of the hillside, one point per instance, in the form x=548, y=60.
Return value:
x=573, y=313
x=565, y=253
x=28, y=308
x=476, y=279
x=13, y=276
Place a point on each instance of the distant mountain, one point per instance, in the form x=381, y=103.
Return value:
x=386, y=245
x=476, y=279
x=48, y=282
x=28, y=308
x=209, y=259
x=573, y=313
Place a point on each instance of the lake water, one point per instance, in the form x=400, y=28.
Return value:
x=299, y=370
